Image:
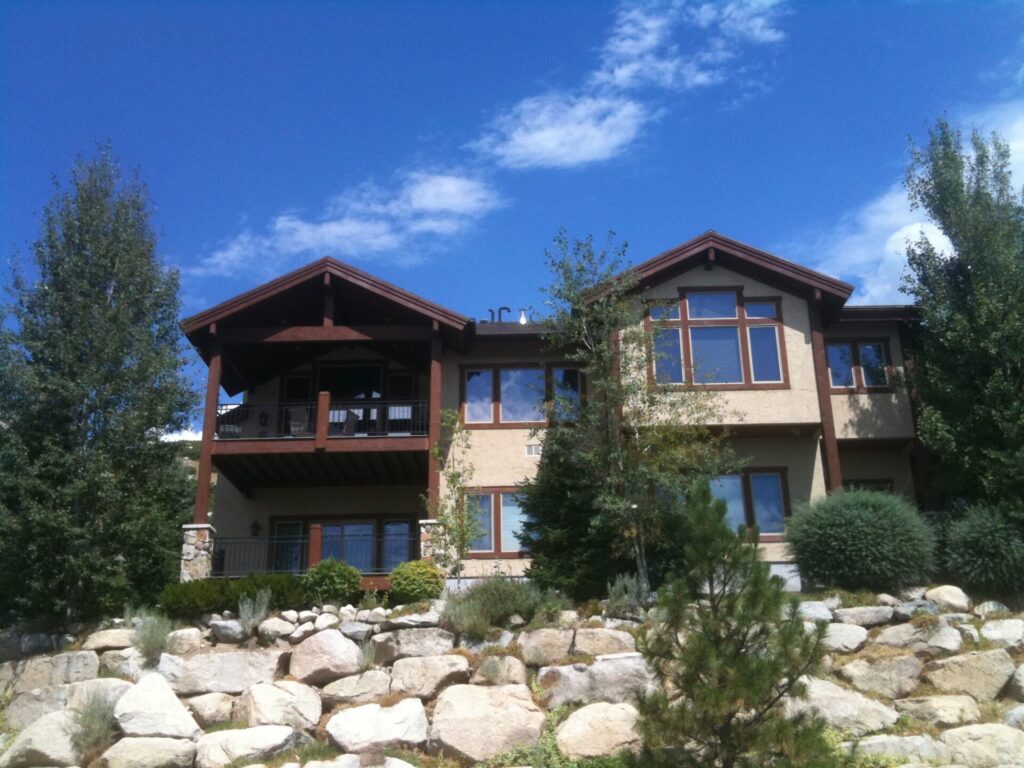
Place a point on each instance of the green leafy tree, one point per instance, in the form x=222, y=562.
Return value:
x=614, y=467
x=728, y=650
x=968, y=362
x=91, y=499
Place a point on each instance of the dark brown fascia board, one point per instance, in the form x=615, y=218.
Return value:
x=509, y=329
x=674, y=257
x=880, y=313
x=337, y=269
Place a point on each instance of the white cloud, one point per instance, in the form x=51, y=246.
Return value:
x=365, y=222
x=185, y=435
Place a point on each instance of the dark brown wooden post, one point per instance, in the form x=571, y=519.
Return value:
x=830, y=447
x=204, y=473
x=316, y=544
x=323, y=414
x=434, y=416
x=328, y=301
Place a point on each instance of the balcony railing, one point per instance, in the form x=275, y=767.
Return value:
x=292, y=554
x=345, y=418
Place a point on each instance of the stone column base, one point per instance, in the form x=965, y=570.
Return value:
x=197, y=551
x=427, y=538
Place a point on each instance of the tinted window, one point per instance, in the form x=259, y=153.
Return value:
x=705, y=306
x=511, y=523
x=716, y=355
x=764, y=353
x=665, y=312
x=668, y=356
x=872, y=363
x=522, y=394
x=729, y=488
x=479, y=395
x=566, y=390
x=760, y=310
x=840, y=365
x=769, y=511
x=480, y=504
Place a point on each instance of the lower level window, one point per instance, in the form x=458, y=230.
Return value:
x=501, y=519
x=754, y=497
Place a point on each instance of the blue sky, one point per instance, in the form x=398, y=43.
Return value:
x=441, y=145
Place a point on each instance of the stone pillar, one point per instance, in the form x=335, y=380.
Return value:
x=427, y=538
x=197, y=551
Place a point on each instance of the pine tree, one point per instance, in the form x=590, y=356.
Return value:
x=728, y=649
x=91, y=499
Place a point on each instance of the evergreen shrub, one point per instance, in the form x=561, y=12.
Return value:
x=490, y=602
x=862, y=540
x=332, y=581
x=414, y=581
x=984, y=552
x=191, y=599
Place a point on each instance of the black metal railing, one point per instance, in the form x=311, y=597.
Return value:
x=240, y=556
x=345, y=418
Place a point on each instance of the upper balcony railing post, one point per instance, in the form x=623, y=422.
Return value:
x=323, y=416
x=316, y=544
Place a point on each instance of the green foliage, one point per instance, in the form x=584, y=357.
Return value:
x=545, y=754
x=150, y=636
x=490, y=602
x=332, y=581
x=191, y=599
x=862, y=540
x=624, y=598
x=969, y=347
x=416, y=580
x=609, y=481
x=984, y=552
x=91, y=375
x=372, y=598
x=94, y=727
x=252, y=609
x=731, y=646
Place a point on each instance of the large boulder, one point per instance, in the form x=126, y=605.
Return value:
x=219, y=671
x=48, y=741
x=815, y=610
x=500, y=670
x=372, y=727
x=229, y=631
x=401, y=643
x=1006, y=633
x=845, y=638
x=184, y=641
x=1015, y=688
x=109, y=640
x=284, y=702
x=615, y=678
x=357, y=689
x=949, y=598
x=150, y=708
x=981, y=674
x=893, y=677
x=985, y=744
x=356, y=630
x=28, y=706
x=420, y=620
x=217, y=750
x=865, y=616
x=475, y=722
x=271, y=629
x=150, y=753
x=841, y=708
x=425, y=676
x=598, y=729
x=596, y=642
x=127, y=663
x=940, y=711
x=71, y=667
x=906, y=635
x=109, y=688
x=211, y=708
x=917, y=748
x=324, y=657
x=543, y=647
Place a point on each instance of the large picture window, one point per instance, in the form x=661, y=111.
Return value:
x=519, y=395
x=754, y=497
x=718, y=339
x=501, y=518
x=856, y=365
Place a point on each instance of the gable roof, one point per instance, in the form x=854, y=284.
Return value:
x=714, y=248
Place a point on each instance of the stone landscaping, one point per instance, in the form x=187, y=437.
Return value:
x=925, y=678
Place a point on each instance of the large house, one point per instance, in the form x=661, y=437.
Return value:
x=343, y=378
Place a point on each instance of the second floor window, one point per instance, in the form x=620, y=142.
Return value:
x=858, y=365
x=519, y=395
x=715, y=338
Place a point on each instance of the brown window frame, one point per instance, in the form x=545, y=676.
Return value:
x=859, y=386
x=496, y=369
x=748, y=498
x=741, y=322
x=497, y=552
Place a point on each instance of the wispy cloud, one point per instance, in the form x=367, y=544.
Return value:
x=364, y=222
x=868, y=245
x=604, y=116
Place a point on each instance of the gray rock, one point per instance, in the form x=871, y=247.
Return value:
x=271, y=629
x=219, y=672
x=356, y=630
x=28, y=706
x=944, y=640
x=328, y=608
x=543, y=647
x=292, y=617
x=841, y=708
x=229, y=631
x=36, y=642
x=845, y=638
x=902, y=636
x=595, y=642
x=1014, y=717
x=598, y=729
x=151, y=709
x=940, y=711
x=985, y=744
x=41, y=671
x=307, y=617
x=304, y=630
x=1015, y=688
x=949, y=598
x=815, y=610
x=990, y=606
x=46, y=742
x=184, y=641
x=422, y=620
x=217, y=750
x=513, y=720
x=1006, y=633
x=892, y=677
x=981, y=674
x=109, y=688
x=109, y=640
x=211, y=709
x=128, y=663
x=614, y=678
x=908, y=610
x=401, y=643
x=864, y=616
x=425, y=676
x=149, y=753
x=324, y=657
x=500, y=670
x=905, y=747
x=326, y=621
x=372, y=616
x=284, y=702
x=357, y=689
x=371, y=727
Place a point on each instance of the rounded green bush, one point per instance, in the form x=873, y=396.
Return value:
x=862, y=540
x=984, y=552
x=416, y=580
x=332, y=581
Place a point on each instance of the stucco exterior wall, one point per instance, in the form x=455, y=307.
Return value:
x=874, y=464
x=801, y=456
x=796, y=405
